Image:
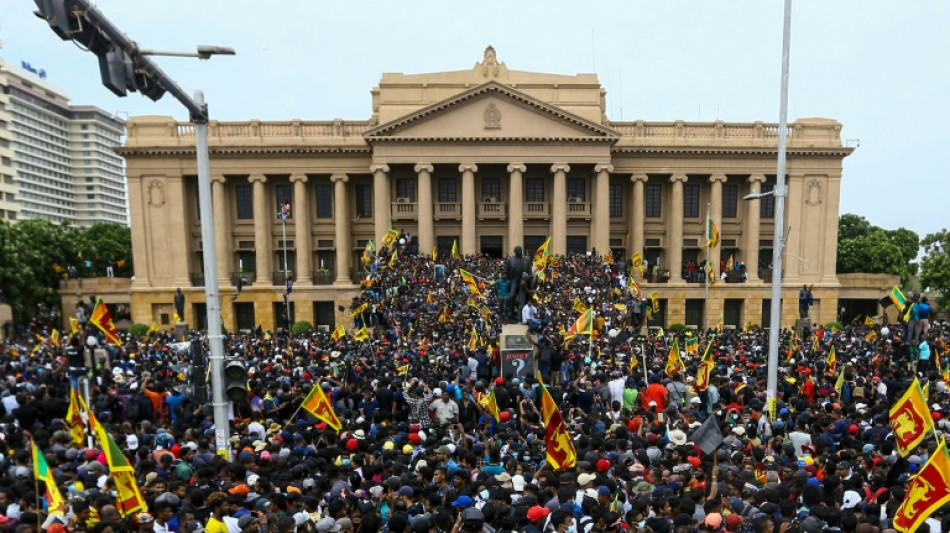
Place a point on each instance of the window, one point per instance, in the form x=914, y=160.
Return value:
x=767, y=203
x=245, y=204
x=730, y=201
x=616, y=200
x=694, y=312
x=491, y=188
x=577, y=189
x=285, y=196
x=244, y=316
x=406, y=188
x=691, y=200
x=448, y=190
x=654, y=200
x=576, y=244
x=324, y=192
x=534, y=190
x=364, y=200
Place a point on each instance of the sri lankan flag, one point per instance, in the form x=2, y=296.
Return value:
x=73, y=326
x=42, y=472
x=368, y=251
x=633, y=287
x=583, y=326
x=74, y=420
x=637, y=260
x=443, y=316
x=929, y=490
x=712, y=234
x=579, y=305
x=869, y=322
x=361, y=334
x=541, y=254
x=103, y=320
x=839, y=383
x=706, y=365
x=674, y=363
x=832, y=361
x=338, y=333
x=871, y=336
x=152, y=329
x=473, y=340
x=692, y=345
x=558, y=445
x=491, y=405
x=128, y=497
x=655, y=301
x=898, y=298
x=911, y=419
x=54, y=337
x=389, y=238
x=455, y=250
x=359, y=310
x=469, y=280
x=393, y=258
x=319, y=406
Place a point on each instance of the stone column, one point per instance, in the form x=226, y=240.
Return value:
x=222, y=233
x=303, y=237
x=515, y=205
x=559, y=209
x=468, y=246
x=262, y=230
x=426, y=232
x=382, y=202
x=675, y=257
x=178, y=232
x=341, y=219
x=637, y=211
x=715, y=211
x=600, y=210
x=750, y=252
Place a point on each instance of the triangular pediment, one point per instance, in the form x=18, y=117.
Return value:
x=491, y=112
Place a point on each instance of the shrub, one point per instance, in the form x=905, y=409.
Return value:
x=138, y=330
x=835, y=325
x=677, y=328
x=301, y=327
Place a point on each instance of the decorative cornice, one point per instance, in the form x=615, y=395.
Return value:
x=240, y=150
x=713, y=150
x=493, y=139
x=383, y=130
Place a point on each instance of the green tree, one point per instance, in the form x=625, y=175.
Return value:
x=864, y=247
x=935, y=265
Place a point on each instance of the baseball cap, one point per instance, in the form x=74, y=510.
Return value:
x=537, y=513
x=246, y=521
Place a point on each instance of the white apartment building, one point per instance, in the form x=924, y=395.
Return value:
x=62, y=164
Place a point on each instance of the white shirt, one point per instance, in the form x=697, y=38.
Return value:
x=528, y=313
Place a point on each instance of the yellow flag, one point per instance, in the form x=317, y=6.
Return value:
x=579, y=305
x=319, y=406
x=491, y=405
x=392, y=259
x=455, y=250
x=176, y=318
x=674, y=363
x=54, y=337
x=869, y=322
x=839, y=384
x=359, y=310
x=73, y=326
x=655, y=300
x=361, y=334
x=929, y=490
x=338, y=333
x=435, y=253
x=910, y=418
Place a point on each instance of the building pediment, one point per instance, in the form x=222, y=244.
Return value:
x=491, y=112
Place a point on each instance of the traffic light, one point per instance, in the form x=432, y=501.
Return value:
x=61, y=16
x=235, y=381
x=115, y=67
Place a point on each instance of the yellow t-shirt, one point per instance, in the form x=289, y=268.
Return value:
x=215, y=526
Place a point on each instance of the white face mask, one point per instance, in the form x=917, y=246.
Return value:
x=484, y=495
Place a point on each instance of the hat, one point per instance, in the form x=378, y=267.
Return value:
x=713, y=520
x=603, y=465
x=462, y=501
x=585, y=478
x=444, y=450
x=537, y=513
x=677, y=437
x=247, y=520
x=739, y=430
x=603, y=490
x=518, y=482
x=851, y=499
x=406, y=491
x=503, y=477
x=733, y=521
x=327, y=525
x=811, y=525
x=253, y=479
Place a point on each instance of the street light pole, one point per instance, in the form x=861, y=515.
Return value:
x=779, y=195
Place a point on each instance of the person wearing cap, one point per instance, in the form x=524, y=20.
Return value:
x=535, y=516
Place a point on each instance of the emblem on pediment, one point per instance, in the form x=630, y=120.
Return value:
x=813, y=193
x=490, y=62
x=492, y=116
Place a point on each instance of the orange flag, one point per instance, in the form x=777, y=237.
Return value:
x=103, y=320
x=911, y=419
x=319, y=406
x=929, y=491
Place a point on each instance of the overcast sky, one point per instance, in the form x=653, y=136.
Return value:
x=877, y=67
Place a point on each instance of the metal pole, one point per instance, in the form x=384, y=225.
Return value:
x=286, y=276
x=702, y=327
x=222, y=428
x=779, y=196
x=84, y=386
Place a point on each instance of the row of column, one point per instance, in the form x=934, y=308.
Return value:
x=750, y=245
x=303, y=238
x=468, y=242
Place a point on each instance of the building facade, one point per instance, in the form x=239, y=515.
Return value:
x=59, y=161
x=492, y=158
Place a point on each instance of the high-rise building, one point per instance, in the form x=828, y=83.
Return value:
x=56, y=160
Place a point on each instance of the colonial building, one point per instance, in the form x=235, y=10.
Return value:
x=492, y=158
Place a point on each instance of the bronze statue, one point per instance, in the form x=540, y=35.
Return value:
x=180, y=303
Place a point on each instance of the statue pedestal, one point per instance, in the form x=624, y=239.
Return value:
x=181, y=330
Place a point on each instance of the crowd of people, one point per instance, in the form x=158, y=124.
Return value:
x=418, y=452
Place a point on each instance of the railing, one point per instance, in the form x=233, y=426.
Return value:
x=197, y=279
x=323, y=277
x=492, y=210
x=536, y=210
x=447, y=210
x=251, y=277
x=294, y=128
x=280, y=277
x=404, y=210
x=657, y=276
x=578, y=210
x=715, y=130
x=358, y=275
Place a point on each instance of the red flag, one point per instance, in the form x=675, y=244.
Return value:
x=929, y=490
x=910, y=419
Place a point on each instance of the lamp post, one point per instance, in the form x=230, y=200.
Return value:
x=778, y=193
x=125, y=67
